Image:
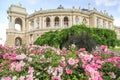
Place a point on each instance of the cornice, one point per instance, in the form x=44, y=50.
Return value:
x=32, y=31
x=19, y=6
x=58, y=11
x=15, y=32
x=69, y=11
x=101, y=14
x=16, y=12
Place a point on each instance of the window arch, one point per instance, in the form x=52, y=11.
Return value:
x=97, y=22
x=65, y=21
x=109, y=24
x=57, y=21
x=18, y=41
x=104, y=23
x=32, y=24
x=77, y=20
x=47, y=22
x=18, y=24
x=84, y=21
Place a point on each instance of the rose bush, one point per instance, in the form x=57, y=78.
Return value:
x=48, y=63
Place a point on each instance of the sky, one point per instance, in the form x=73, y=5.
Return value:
x=111, y=6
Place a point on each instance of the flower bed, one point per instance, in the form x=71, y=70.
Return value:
x=49, y=63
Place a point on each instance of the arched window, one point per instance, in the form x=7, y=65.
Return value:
x=57, y=21
x=104, y=23
x=47, y=22
x=65, y=21
x=32, y=24
x=109, y=25
x=97, y=22
x=77, y=20
x=18, y=41
x=84, y=21
x=18, y=24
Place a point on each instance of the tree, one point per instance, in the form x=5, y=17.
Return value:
x=83, y=40
x=58, y=39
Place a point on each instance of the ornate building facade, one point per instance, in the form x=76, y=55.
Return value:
x=33, y=25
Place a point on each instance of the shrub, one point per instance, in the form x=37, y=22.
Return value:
x=48, y=63
x=117, y=42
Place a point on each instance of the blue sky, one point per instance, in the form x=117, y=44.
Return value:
x=111, y=6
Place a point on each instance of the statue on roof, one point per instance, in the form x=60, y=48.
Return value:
x=19, y=4
x=89, y=6
x=60, y=7
x=73, y=7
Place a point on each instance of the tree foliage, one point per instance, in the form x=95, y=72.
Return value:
x=104, y=36
x=83, y=40
x=58, y=39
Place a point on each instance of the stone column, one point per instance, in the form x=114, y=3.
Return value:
x=52, y=22
x=61, y=22
x=35, y=23
x=12, y=23
x=43, y=23
x=29, y=25
x=111, y=24
x=23, y=25
x=101, y=22
x=70, y=21
x=74, y=20
x=39, y=22
x=88, y=22
x=107, y=25
x=104, y=23
x=95, y=21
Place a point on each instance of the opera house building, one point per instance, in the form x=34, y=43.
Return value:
x=33, y=25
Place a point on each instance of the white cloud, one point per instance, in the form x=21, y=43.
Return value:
x=117, y=22
x=3, y=28
x=106, y=2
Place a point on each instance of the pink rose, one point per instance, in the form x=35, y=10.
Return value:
x=118, y=65
x=31, y=70
x=21, y=78
x=95, y=66
x=103, y=47
x=56, y=78
x=114, y=59
x=18, y=68
x=71, y=61
x=19, y=65
x=7, y=78
x=21, y=57
x=5, y=56
x=76, y=61
x=63, y=64
x=82, y=49
x=0, y=70
x=68, y=71
x=29, y=77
